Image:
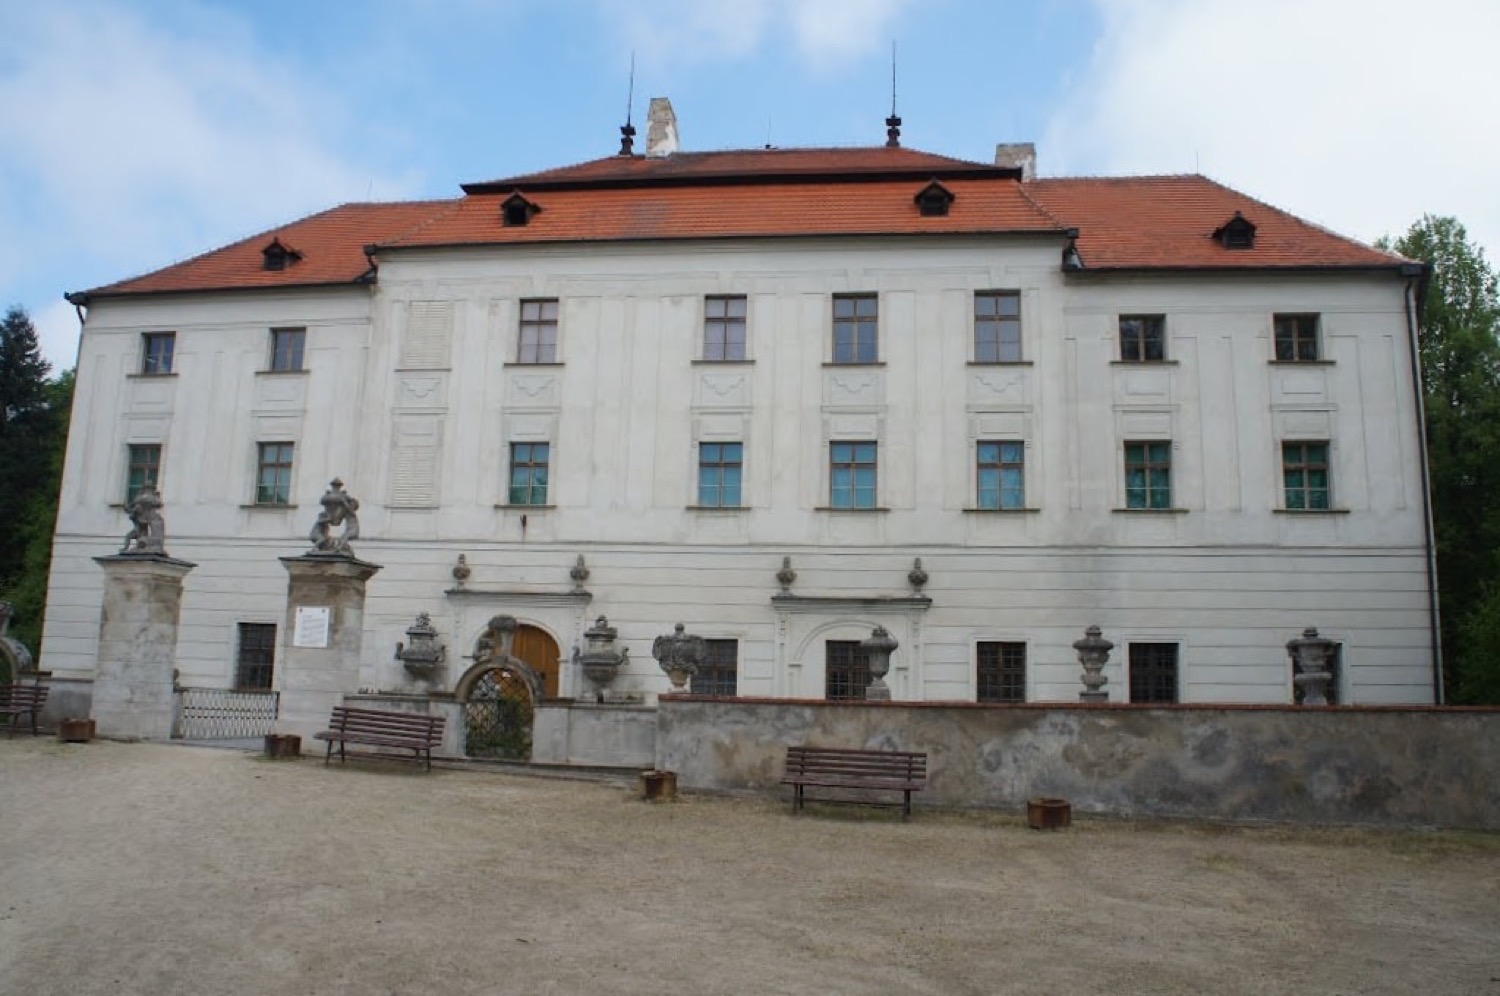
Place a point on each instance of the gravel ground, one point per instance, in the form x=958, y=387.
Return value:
x=164, y=869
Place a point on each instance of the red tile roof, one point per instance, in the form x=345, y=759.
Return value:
x=1124, y=223
x=1167, y=222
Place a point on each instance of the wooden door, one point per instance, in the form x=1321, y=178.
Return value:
x=540, y=651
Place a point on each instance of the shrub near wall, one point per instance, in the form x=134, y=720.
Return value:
x=1390, y=766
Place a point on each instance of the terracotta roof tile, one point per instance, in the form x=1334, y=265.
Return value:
x=1151, y=222
x=331, y=244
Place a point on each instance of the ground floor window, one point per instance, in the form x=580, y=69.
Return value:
x=1153, y=672
x=1001, y=672
x=847, y=667
x=256, y=656
x=719, y=673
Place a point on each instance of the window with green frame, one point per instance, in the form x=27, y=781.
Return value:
x=144, y=468
x=1148, y=475
x=1304, y=473
x=528, y=473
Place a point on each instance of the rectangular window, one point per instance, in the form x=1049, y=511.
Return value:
x=273, y=475
x=538, y=332
x=1143, y=338
x=724, y=328
x=720, y=467
x=286, y=349
x=256, y=656
x=997, y=326
x=851, y=475
x=144, y=468
x=847, y=668
x=856, y=328
x=1296, y=338
x=1148, y=475
x=718, y=675
x=528, y=473
x=1304, y=471
x=1001, y=672
x=1001, y=474
x=1153, y=672
x=156, y=353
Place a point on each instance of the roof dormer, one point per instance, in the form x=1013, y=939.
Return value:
x=276, y=255
x=933, y=200
x=517, y=210
x=1236, y=233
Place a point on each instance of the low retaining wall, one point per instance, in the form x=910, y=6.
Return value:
x=1391, y=766
x=567, y=732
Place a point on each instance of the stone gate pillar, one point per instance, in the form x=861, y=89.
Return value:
x=133, y=676
x=321, y=641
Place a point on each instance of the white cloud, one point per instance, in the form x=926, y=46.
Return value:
x=1359, y=114
x=140, y=143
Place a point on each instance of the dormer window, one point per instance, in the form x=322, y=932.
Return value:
x=933, y=200
x=1236, y=233
x=517, y=210
x=277, y=256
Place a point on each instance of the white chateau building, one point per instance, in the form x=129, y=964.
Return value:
x=1151, y=404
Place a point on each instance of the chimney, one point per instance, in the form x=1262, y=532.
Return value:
x=661, y=133
x=1017, y=154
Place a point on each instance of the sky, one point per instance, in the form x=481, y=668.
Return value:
x=136, y=133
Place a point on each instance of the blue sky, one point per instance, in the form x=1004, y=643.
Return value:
x=138, y=132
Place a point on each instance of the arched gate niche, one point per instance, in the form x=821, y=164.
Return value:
x=514, y=667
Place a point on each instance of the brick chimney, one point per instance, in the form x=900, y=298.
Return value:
x=1014, y=154
x=661, y=132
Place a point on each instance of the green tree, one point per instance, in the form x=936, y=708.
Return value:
x=24, y=422
x=28, y=590
x=1460, y=322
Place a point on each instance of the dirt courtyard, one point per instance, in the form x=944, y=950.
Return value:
x=165, y=869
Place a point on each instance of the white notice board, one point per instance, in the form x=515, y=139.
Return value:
x=312, y=627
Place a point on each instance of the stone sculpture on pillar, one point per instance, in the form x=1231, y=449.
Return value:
x=1310, y=674
x=148, y=532
x=878, y=648
x=603, y=658
x=680, y=655
x=338, y=509
x=1093, y=654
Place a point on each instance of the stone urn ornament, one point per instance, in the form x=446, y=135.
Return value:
x=1093, y=654
x=1311, y=677
x=603, y=658
x=680, y=655
x=878, y=647
x=422, y=655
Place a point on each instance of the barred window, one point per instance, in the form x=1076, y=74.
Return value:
x=847, y=669
x=1153, y=672
x=1001, y=672
x=256, y=655
x=718, y=675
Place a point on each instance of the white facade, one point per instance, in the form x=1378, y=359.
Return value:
x=412, y=394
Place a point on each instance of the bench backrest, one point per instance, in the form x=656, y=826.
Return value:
x=907, y=765
x=348, y=719
x=23, y=696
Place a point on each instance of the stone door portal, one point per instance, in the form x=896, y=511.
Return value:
x=500, y=694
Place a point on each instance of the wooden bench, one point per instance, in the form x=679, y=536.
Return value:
x=417, y=732
x=880, y=770
x=19, y=700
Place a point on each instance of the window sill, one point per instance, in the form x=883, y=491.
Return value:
x=1143, y=363
x=723, y=363
x=1300, y=363
x=1311, y=511
x=1150, y=511
x=524, y=508
x=150, y=376
x=266, y=506
x=518, y=363
x=1002, y=511
x=301, y=372
x=847, y=366
x=830, y=508
x=999, y=363
x=718, y=508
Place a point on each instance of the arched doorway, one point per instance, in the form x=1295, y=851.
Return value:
x=515, y=665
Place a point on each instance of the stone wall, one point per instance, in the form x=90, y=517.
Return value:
x=1388, y=766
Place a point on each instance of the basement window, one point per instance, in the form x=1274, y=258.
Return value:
x=933, y=200
x=1236, y=233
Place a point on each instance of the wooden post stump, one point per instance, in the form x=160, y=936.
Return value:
x=658, y=786
x=75, y=730
x=283, y=745
x=1048, y=814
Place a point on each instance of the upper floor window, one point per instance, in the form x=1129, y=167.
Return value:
x=1148, y=475
x=856, y=328
x=1297, y=338
x=1153, y=672
x=1001, y=672
x=273, y=474
x=852, y=475
x=1143, y=338
x=997, y=327
x=286, y=349
x=156, y=352
x=720, y=468
x=538, y=332
x=724, y=327
x=719, y=673
x=1001, y=474
x=1304, y=473
x=144, y=468
x=529, y=463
